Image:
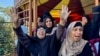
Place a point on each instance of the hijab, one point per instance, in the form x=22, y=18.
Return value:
x=70, y=47
x=47, y=15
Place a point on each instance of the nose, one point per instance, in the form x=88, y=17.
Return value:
x=79, y=32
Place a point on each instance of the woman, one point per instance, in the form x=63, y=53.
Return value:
x=51, y=32
x=40, y=45
x=86, y=22
x=37, y=46
x=73, y=44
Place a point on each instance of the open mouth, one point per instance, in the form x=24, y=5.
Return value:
x=77, y=36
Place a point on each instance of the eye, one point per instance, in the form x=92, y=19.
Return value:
x=74, y=29
x=80, y=29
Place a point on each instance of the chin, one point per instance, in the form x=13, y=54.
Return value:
x=41, y=37
x=77, y=39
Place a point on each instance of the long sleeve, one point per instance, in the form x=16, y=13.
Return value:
x=23, y=38
x=25, y=41
x=60, y=31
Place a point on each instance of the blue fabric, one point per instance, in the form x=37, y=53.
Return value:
x=95, y=24
x=24, y=29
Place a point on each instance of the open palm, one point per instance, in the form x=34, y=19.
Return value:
x=14, y=17
x=64, y=14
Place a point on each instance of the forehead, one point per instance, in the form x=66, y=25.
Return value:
x=40, y=28
x=84, y=17
x=47, y=19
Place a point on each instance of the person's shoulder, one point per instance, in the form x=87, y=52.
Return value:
x=87, y=44
x=52, y=32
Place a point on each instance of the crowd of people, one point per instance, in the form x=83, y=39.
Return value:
x=79, y=38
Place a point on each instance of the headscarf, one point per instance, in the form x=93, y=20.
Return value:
x=87, y=27
x=70, y=47
x=46, y=15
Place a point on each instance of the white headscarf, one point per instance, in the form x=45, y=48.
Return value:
x=70, y=47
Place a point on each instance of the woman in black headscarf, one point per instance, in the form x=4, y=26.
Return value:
x=86, y=22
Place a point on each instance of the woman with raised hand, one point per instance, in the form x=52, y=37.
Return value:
x=37, y=46
x=73, y=44
x=52, y=30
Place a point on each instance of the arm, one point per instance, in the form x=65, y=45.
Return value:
x=23, y=38
x=63, y=19
x=30, y=45
x=60, y=31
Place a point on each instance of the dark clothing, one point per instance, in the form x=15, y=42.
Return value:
x=21, y=50
x=95, y=26
x=37, y=47
x=95, y=23
x=51, y=33
x=87, y=31
x=45, y=16
x=55, y=42
x=87, y=51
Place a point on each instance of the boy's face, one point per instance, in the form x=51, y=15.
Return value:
x=41, y=33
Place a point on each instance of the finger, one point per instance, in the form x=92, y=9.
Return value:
x=66, y=8
x=11, y=10
x=69, y=12
x=62, y=8
x=15, y=10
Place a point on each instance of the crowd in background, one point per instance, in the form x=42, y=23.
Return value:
x=68, y=38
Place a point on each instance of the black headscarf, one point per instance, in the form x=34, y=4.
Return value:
x=87, y=28
x=46, y=15
x=78, y=24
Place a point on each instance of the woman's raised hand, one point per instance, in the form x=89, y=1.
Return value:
x=14, y=17
x=64, y=15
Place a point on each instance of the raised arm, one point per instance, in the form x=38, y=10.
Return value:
x=22, y=37
x=64, y=13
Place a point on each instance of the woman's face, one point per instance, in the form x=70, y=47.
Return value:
x=84, y=20
x=41, y=33
x=48, y=23
x=76, y=33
